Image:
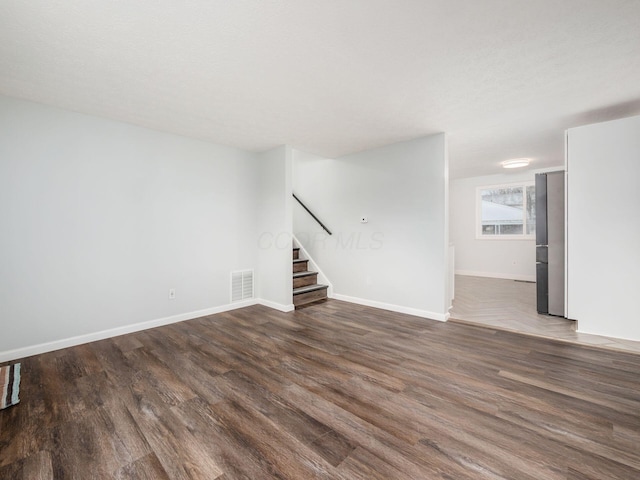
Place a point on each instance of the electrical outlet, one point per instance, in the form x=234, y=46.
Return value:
x=172, y=294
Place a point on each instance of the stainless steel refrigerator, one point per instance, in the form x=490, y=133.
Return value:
x=550, y=243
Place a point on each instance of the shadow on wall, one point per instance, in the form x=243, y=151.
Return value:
x=611, y=112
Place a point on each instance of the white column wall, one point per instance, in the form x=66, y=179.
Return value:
x=603, y=228
x=274, y=282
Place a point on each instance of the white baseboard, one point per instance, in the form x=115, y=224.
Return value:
x=136, y=327
x=505, y=276
x=393, y=308
x=605, y=333
x=277, y=306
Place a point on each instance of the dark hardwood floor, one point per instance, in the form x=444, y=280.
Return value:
x=334, y=390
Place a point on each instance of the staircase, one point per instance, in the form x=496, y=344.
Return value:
x=305, y=283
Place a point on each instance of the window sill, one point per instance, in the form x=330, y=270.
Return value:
x=506, y=237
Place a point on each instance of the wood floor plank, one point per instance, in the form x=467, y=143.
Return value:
x=361, y=464
x=145, y=468
x=276, y=449
x=397, y=453
x=333, y=447
x=240, y=388
x=233, y=453
x=182, y=456
x=167, y=383
x=333, y=390
x=38, y=467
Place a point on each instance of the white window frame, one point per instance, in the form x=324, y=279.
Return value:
x=521, y=236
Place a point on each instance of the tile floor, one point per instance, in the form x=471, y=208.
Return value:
x=511, y=305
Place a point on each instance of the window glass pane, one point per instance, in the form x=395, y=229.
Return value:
x=502, y=209
x=531, y=210
x=511, y=229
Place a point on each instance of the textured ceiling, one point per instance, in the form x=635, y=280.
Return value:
x=504, y=78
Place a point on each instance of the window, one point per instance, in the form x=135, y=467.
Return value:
x=506, y=211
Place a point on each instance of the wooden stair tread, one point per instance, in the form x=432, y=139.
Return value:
x=309, y=288
x=305, y=289
x=306, y=273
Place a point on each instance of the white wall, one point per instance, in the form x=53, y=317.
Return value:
x=514, y=259
x=398, y=260
x=100, y=219
x=274, y=283
x=604, y=228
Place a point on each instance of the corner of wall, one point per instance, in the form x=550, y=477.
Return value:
x=274, y=226
x=402, y=188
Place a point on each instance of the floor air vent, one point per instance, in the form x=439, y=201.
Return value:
x=241, y=285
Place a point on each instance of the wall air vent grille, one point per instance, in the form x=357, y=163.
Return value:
x=241, y=285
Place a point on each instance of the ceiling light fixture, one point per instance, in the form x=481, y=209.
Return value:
x=516, y=163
